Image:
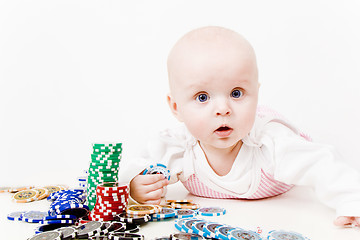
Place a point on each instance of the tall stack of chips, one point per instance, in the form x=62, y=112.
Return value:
x=111, y=199
x=104, y=167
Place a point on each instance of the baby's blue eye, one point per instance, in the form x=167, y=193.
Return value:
x=236, y=93
x=202, y=97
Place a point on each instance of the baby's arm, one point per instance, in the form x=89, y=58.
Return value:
x=148, y=189
x=347, y=221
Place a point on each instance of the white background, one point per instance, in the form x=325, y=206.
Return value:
x=77, y=72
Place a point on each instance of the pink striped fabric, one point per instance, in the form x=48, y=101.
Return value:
x=268, y=187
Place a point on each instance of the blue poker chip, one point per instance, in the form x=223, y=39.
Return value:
x=211, y=211
x=241, y=234
x=33, y=216
x=198, y=228
x=58, y=221
x=188, y=223
x=158, y=169
x=15, y=216
x=77, y=209
x=69, y=217
x=185, y=213
x=209, y=229
x=222, y=231
x=178, y=224
x=164, y=213
x=280, y=235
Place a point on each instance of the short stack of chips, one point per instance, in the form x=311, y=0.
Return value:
x=112, y=199
x=104, y=167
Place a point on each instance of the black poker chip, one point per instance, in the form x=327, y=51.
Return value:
x=50, y=235
x=90, y=229
x=123, y=217
x=125, y=236
x=185, y=236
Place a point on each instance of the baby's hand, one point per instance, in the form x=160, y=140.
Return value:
x=347, y=221
x=148, y=189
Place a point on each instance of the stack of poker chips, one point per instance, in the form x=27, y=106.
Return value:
x=104, y=167
x=111, y=199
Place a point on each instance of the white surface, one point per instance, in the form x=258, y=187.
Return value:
x=297, y=210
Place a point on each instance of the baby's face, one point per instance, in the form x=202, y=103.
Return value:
x=214, y=91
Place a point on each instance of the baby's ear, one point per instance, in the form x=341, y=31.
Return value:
x=173, y=107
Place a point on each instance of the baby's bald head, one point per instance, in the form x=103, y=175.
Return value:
x=209, y=47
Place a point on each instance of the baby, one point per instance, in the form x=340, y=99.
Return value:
x=229, y=147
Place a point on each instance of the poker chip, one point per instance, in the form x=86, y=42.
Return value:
x=142, y=209
x=33, y=216
x=198, y=227
x=179, y=223
x=43, y=193
x=125, y=236
x=90, y=229
x=179, y=200
x=185, y=213
x=73, y=208
x=140, y=219
x=164, y=213
x=103, y=168
x=18, y=189
x=116, y=226
x=15, y=216
x=58, y=221
x=158, y=169
x=186, y=205
x=211, y=211
x=188, y=223
x=241, y=234
x=209, y=229
x=162, y=238
x=49, y=227
x=186, y=236
x=222, y=231
x=50, y=235
x=73, y=217
x=111, y=199
x=25, y=196
x=53, y=189
x=130, y=228
x=280, y=235
x=68, y=232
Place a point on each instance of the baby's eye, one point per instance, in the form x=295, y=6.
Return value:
x=236, y=93
x=202, y=97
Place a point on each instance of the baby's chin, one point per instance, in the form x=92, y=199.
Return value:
x=222, y=144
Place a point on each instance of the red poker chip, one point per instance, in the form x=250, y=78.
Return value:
x=112, y=199
x=103, y=207
x=101, y=219
x=113, y=186
x=111, y=191
x=104, y=214
x=100, y=209
x=111, y=204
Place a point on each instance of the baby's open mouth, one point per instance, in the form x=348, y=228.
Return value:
x=220, y=129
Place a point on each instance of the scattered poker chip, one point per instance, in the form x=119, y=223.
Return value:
x=211, y=211
x=116, y=226
x=53, y=189
x=50, y=235
x=131, y=228
x=185, y=205
x=33, y=216
x=73, y=217
x=43, y=193
x=142, y=209
x=50, y=227
x=140, y=219
x=280, y=235
x=187, y=224
x=163, y=238
x=165, y=213
x=25, y=196
x=15, y=216
x=89, y=229
x=158, y=169
x=186, y=236
x=240, y=234
x=185, y=213
x=222, y=231
x=17, y=189
x=58, y=221
x=68, y=232
x=73, y=208
x=179, y=223
x=125, y=236
x=198, y=228
x=4, y=189
x=209, y=229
